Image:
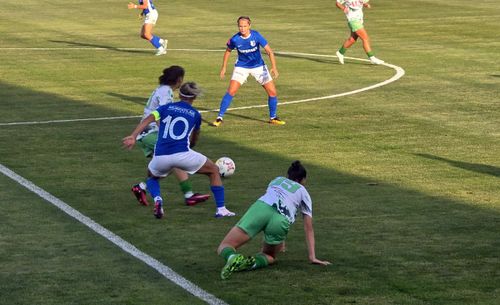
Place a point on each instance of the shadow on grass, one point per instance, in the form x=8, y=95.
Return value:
x=473, y=167
x=228, y=114
x=332, y=60
x=140, y=100
x=93, y=45
x=387, y=243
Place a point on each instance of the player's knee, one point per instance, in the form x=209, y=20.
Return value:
x=271, y=92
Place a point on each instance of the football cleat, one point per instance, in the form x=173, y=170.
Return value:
x=197, y=198
x=164, y=43
x=236, y=263
x=223, y=212
x=158, y=210
x=340, y=56
x=374, y=60
x=140, y=194
x=217, y=122
x=161, y=51
x=276, y=121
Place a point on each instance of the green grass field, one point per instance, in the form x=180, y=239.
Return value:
x=405, y=178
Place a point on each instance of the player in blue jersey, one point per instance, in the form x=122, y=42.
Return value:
x=273, y=213
x=353, y=10
x=170, y=80
x=179, y=129
x=150, y=15
x=248, y=42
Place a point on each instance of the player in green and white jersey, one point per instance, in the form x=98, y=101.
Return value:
x=273, y=213
x=353, y=10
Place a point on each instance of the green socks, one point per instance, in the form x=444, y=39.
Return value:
x=342, y=50
x=370, y=54
x=186, y=187
x=227, y=252
x=260, y=261
x=260, y=258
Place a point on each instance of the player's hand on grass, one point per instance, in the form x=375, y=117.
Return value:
x=128, y=142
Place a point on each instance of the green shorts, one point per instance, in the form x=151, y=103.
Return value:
x=263, y=217
x=355, y=25
x=147, y=143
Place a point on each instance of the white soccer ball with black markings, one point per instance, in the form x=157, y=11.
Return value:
x=226, y=166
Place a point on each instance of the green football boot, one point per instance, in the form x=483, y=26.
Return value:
x=236, y=263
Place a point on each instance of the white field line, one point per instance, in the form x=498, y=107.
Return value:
x=400, y=72
x=164, y=270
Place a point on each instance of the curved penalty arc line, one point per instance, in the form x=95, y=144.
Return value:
x=400, y=72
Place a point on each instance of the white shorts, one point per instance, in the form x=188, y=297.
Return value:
x=189, y=161
x=261, y=74
x=151, y=17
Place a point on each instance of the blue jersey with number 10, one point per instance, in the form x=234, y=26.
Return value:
x=248, y=49
x=177, y=122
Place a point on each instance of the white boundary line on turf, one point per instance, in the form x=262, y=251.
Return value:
x=164, y=270
x=400, y=72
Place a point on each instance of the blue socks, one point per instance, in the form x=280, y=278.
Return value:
x=272, y=102
x=224, y=104
x=153, y=187
x=218, y=192
x=155, y=41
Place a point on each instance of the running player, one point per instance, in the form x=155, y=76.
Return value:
x=170, y=80
x=150, y=17
x=248, y=42
x=179, y=129
x=353, y=10
x=273, y=213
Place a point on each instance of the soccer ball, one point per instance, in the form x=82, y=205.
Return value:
x=226, y=166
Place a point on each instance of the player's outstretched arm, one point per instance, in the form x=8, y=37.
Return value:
x=343, y=8
x=129, y=141
x=309, y=230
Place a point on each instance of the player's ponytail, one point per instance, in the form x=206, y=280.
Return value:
x=297, y=171
x=189, y=90
x=171, y=75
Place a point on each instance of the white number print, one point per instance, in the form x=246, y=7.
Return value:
x=169, y=127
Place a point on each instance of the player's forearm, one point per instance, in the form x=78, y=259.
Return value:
x=225, y=59
x=137, y=6
x=142, y=125
x=340, y=6
x=272, y=58
x=194, y=138
x=310, y=240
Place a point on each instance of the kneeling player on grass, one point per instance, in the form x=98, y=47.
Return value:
x=273, y=213
x=170, y=80
x=179, y=129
